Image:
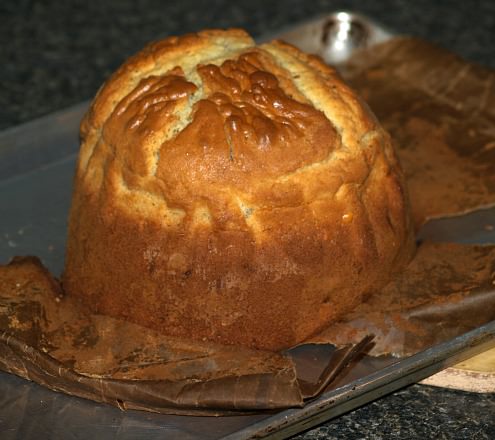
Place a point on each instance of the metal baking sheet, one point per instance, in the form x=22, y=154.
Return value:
x=36, y=167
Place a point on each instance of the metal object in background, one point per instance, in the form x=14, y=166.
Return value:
x=336, y=36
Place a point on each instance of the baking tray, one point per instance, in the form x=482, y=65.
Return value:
x=37, y=160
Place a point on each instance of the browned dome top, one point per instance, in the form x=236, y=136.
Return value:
x=198, y=123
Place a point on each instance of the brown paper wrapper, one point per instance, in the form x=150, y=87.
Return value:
x=441, y=114
x=440, y=111
x=54, y=341
x=447, y=290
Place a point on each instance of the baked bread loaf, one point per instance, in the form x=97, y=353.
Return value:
x=231, y=192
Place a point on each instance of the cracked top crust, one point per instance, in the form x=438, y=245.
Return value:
x=220, y=183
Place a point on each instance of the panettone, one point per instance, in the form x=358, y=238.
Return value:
x=231, y=192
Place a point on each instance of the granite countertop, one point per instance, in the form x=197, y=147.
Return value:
x=55, y=54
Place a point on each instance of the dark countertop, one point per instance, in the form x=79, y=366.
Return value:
x=55, y=54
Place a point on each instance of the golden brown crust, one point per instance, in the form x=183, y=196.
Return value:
x=231, y=192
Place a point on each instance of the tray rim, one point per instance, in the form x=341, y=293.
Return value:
x=405, y=371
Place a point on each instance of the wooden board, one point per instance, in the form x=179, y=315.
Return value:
x=476, y=374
